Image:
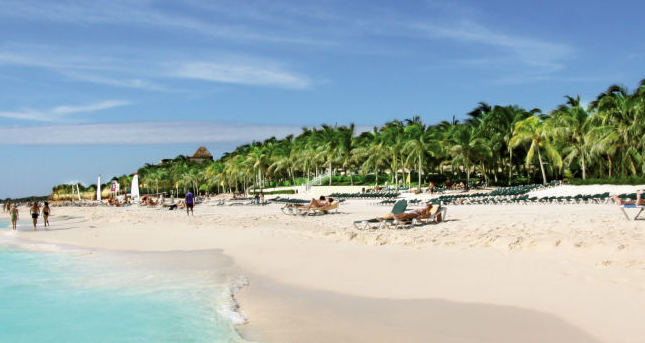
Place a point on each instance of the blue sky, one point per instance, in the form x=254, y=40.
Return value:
x=89, y=87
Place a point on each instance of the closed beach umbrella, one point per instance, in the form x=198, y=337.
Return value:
x=134, y=192
x=98, y=189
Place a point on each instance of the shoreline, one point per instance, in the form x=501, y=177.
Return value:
x=581, y=264
x=209, y=264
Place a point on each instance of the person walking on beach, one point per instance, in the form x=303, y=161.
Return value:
x=190, y=203
x=14, y=215
x=46, y=213
x=35, y=212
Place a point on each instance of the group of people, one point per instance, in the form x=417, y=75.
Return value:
x=34, y=210
x=259, y=198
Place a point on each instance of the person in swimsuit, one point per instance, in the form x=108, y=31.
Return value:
x=46, y=212
x=14, y=215
x=190, y=203
x=639, y=200
x=416, y=213
x=35, y=212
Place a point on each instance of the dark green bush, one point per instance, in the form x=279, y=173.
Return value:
x=629, y=180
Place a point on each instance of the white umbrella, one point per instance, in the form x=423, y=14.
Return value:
x=134, y=192
x=98, y=189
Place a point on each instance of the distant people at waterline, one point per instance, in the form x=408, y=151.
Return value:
x=14, y=215
x=35, y=212
x=46, y=213
x=190, y=203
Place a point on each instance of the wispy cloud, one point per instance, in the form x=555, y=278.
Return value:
x=144, y=133
x=151, y=70
x=145, y=14
x=159, y=132
x=245, y=74
x=536, y=58
x=59, y=113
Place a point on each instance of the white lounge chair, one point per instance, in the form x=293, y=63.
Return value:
x=640, y=208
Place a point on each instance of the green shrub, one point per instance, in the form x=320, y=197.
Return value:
x=629, y=180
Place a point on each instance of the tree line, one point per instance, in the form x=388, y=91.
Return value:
x=502, y=145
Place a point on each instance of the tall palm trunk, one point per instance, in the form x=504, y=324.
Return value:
x=541, y=167
x=260, y=178
x=584, y=167
x=330, y=172
x=419, y=186
x=510, y=166
x=376, y=176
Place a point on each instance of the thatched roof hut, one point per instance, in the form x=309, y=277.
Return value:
x=202, y=154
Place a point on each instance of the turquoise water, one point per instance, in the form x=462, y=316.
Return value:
x=80, y=297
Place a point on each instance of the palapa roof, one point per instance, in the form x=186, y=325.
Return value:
x=202, y=153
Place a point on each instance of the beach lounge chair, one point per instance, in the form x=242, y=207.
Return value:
x=435, y=212
x=331, y=208
x=377, y=223
x=640, y=207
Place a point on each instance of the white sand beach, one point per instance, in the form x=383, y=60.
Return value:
x=489, y=273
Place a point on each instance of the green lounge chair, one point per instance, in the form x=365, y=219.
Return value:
x=377, y=223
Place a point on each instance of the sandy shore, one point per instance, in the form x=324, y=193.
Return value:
x=538, y=273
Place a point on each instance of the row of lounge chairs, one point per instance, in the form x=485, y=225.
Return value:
x=438, y=214
x=477, y=199
x=368, y=196
x=393, y=201
x=524, y=189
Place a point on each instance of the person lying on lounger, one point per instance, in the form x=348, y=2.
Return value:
x=321, y=202
x=420, y=212
x=639, y=201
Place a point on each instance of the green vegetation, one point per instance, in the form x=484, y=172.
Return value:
x=629, y=180
x=501, y=145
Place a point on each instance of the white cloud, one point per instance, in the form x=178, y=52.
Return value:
x=161, y=132
x=142, y=14
x=245, y=74
x=78, y=63
x=60, y=112
x=541, y=57
x=103, y=105
x=143, y=133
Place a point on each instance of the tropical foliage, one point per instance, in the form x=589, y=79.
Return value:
x=497, y=144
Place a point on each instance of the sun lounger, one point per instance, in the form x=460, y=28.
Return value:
x=331, y=208
x=378, y=223
x=640, y=207
x=435, y=212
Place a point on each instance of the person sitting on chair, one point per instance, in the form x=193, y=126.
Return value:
x=639, y=201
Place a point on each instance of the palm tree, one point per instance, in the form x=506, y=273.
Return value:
x=572, y=122
x=418, y=143
x=467, y=148
x=374, y=154
x=536, y=131
x=258, y=157
x=621, y=116
x=393, y=136
x=345, y=147
x=327, y=141
x=498, y=126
